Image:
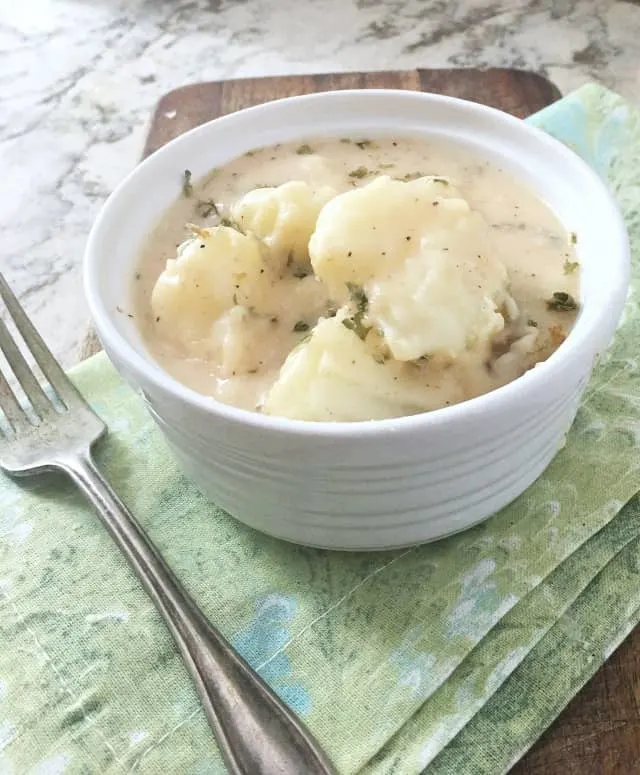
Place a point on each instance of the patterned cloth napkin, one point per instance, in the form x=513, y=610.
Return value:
x=435, y=659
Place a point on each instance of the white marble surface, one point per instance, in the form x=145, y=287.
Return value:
x=79, y=78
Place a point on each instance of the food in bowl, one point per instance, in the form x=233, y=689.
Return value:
x=354, y=279
x=392, y=482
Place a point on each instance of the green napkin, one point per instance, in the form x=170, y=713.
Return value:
x=447, y=658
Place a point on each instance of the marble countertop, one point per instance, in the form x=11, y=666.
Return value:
x=79, y=79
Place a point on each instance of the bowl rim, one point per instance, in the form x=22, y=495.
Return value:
x=501, y=399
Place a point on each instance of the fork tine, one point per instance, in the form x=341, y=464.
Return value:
x=44, y=358
x=23, y=373
x=9, y=404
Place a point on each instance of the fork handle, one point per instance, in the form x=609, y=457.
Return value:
x=256, y=732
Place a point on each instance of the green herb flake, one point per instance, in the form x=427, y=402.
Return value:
x=362, y=144
x=205, y=208
x=187, y=186
x=359, y=172
x=532, y=322
x=361, y=302
x=300, y=327
x=358, y=297
x=352, y=325
x=345, y=140
x=570, y=267
x=442, y=181
x=300, y=272
x=230, y=224
x=304, y=150
x=412, y=176
x=562, y=302
x=573, y=238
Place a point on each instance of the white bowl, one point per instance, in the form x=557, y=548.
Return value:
x=384, y=483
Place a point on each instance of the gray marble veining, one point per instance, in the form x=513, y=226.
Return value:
x=79, y=78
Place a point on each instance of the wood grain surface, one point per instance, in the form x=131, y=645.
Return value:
x=599, y=731
x=516, y=92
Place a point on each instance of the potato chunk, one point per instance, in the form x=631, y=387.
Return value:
x=283, y=217
x=240, y=342
x=424, y=259
x=335, y=376
x=212, y=272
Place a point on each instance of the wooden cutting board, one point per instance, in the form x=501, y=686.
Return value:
x=599, y=732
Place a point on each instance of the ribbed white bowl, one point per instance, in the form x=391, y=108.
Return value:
x=379, y=484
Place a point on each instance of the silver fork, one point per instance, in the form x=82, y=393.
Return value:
x=256, y=732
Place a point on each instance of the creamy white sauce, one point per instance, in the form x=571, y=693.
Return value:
x=536, y=251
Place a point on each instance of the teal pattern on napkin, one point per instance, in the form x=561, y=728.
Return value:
x=267, y=633
x=433, y=659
